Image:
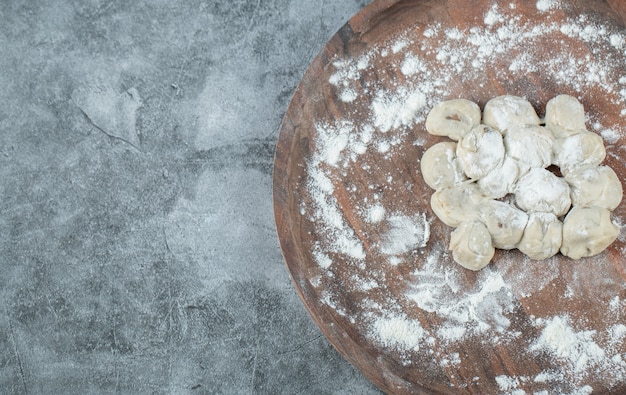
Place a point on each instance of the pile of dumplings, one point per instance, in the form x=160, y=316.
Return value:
x=492, y=181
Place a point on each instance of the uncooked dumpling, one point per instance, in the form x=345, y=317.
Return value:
x=504, y=222
x=565, y=116
x=439, y=166
x=595, y=186
x=542, y=236
x=530, y=145
x=503, y=112
x=453, y=118
x=587, y=231
x=458, y=203
x=510, y=153
x=471, y=245
x=582, y=149
x=480, y=151
x=500, y=181
x=541, y=191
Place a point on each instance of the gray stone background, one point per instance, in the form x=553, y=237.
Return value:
x=138, y=252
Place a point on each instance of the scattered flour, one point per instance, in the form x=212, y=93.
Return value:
x=618, y=332
x=413, y=65
x=342, y=237
x=436, y=289
x=398, y=331
x=610, y=136
x=405, y=234
x=322, y=259
x=399, y=45
x=545, y=5
x=493, y=16
x=575, y=348
x=581, y=353
x=376, y=213
x=510, y=384
x=392, y=111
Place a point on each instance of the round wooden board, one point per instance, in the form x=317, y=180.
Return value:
x=366, y=254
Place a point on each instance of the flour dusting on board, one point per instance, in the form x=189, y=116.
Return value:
x=576, y=348
x=403, y=270
x=398, y=331
x=405, y=234
x=435, y=288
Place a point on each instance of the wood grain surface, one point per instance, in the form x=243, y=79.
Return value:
x=591, y=284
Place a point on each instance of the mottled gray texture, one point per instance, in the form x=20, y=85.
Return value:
x=137, y=244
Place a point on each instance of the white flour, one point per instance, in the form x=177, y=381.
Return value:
x=576, y=348
x=392, y=111
x=405, y=234
x=435, y=288
x=545, y=5
x=484, y=311
x=376, y=213
x=399, y=331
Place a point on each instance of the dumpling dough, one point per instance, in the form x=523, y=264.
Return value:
x=595, y=186
x=582, y=149
x=457, y=204
x=565, y=116
x=440, y=167
x=587, y=231
x=530, y=145
x=453, y=118
x=480, y=151
x=504, y=222
x=500, y=181
x=509, y=152
x=541, y=191
x=503, y=112
x=471, y=245
x=542, y=236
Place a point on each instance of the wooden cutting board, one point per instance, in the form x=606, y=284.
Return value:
x=367, y=255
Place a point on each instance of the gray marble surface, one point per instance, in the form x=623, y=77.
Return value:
x=138, y=252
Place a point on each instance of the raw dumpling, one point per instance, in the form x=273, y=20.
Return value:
x=503, y=112
x=530, y=145
x=582, y=149
x=500, y=181
x=439, y=166
x=458, y=203
x=453, y=118
x=587, y=231
x=504, y=222
x=565, y=116
x=480, y=151
x=471, y=245
x=541, y=191
x=595, y=186
x=542, y=236
x=510, y=153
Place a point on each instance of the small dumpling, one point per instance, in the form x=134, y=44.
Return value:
x=453, y=118
x=595, y=186
x=541, y=191
x=440, y=167
x=542, y=236
x=503, y=112
x=504, y=222
x=458, y=203
x=530, y=145
x=582, y=149
x=587, y=231
x=480, y=151
x=471, y=245
x=565, y=116
x=500, y=181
